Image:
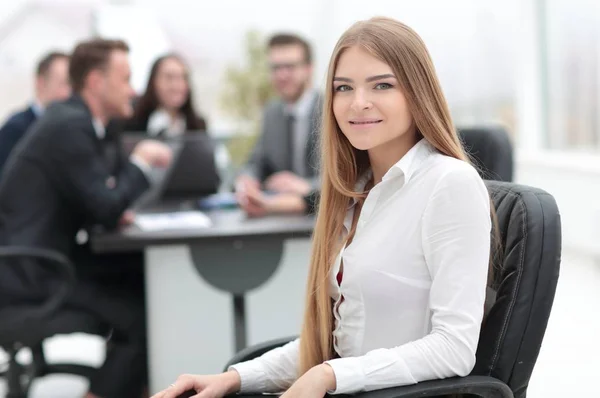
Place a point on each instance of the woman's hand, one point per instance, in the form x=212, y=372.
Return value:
x=313, y=384
x=213, y=386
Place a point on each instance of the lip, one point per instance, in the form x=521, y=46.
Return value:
x=364, y=122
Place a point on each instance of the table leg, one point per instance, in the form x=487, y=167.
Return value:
x=238, y=266
x=239, y=321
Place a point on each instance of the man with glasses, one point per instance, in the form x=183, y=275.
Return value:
x=284, y=160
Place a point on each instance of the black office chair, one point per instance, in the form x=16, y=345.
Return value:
x=490, y=150
x=525, y=283
x=27, y=325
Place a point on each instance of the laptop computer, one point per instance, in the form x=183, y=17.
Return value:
x=191, y=175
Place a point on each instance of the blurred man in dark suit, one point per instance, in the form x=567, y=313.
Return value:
x=59, y=183
x=51, y=84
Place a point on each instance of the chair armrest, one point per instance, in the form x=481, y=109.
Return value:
x=58, y=261
x=482, y=386
x=257, y=350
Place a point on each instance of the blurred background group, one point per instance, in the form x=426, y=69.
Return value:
x=532, y=66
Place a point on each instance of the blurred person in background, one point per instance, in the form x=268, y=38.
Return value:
x=284, y=159
x=166, y=109
x=59, y=183
x=51, y=84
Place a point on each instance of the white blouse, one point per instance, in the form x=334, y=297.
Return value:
x=413, y=284
x=160, y=122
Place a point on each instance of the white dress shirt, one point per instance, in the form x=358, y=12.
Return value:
x=37, y=108
x=99, y=128
x=414, y=282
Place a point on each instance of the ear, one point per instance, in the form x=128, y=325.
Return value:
x=40, y=82
x=94, y=79
x=310, y=71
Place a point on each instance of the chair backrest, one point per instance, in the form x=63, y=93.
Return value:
x=26, y=299
x=525, y=280
x=490, y=150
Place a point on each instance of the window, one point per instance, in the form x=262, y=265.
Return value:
x=571, y=73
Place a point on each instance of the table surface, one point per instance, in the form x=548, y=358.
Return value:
x=227, y=224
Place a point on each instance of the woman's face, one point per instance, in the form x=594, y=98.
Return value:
x=171, y=84
x=368, y=105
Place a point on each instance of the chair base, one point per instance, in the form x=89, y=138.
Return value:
x=20, y=377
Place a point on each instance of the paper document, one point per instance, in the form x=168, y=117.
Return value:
x=175, y=220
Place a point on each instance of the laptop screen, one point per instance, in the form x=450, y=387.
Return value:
x=193, y=172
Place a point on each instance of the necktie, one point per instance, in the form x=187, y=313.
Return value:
x=290, y=123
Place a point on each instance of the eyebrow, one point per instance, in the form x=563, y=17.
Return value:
x=368, y=79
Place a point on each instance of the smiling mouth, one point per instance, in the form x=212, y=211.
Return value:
x=365, y=122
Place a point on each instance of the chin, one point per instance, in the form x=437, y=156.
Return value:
x=361, y=142
x=362, y=145
x=288, y=97
x=176, y=102
x=292, y=94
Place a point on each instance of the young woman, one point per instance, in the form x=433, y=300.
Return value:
x=166, y=109
x=401, y=246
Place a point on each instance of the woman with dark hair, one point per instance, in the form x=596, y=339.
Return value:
x=166, y=109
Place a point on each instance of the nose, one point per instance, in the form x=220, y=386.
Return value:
x=281, y=74
x=360, y=101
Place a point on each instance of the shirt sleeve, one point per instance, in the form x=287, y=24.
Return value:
x=456, y=229
x=145, y=168
x=274, y=371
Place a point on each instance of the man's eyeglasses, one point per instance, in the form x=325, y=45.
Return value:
x=286, y=66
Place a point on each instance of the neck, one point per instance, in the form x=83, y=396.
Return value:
x=95, y=107
x=40, y=100
x=383, y=157
x=173, y=113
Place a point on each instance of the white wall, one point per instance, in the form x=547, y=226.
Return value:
x=574, y=181
x=140, y=28
x=35, y=31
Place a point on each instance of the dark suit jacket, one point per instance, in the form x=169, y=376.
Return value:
x=13, y=130
x=270, y=154
x=56, y=185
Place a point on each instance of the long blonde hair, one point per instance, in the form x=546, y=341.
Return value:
x=404, y=51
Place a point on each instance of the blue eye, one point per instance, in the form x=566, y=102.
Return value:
x=343, y=87
x=383, y=86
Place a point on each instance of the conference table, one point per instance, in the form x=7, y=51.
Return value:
x=198, y=280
